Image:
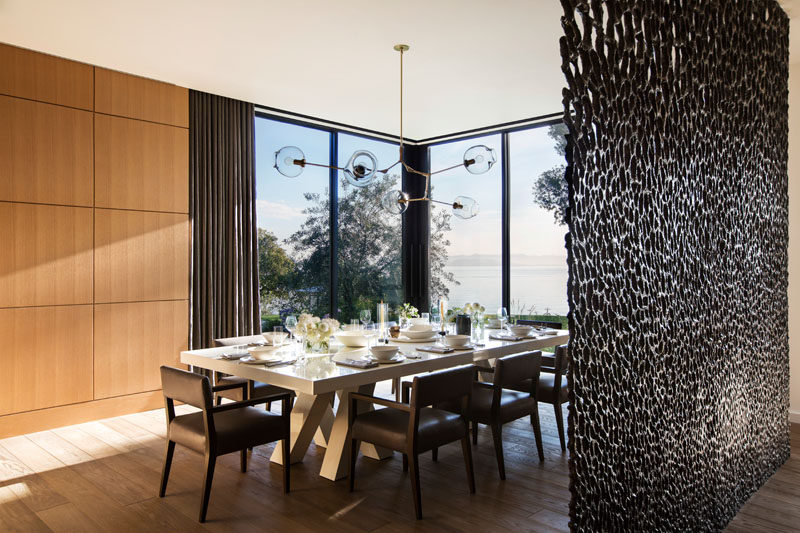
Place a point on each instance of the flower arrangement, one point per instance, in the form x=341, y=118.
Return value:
x=474, y=309
x=407, y=311
x=316, y=331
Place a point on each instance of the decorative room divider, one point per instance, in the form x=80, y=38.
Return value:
x=677, y=171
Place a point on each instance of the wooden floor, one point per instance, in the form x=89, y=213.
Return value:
x=103, y=476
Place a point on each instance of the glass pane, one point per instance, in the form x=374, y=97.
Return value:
x=293, y=223
x=369, y=258
x=465, y=255
x=538, y=206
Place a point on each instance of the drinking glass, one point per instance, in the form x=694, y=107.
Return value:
x=354, y=326
x=502, y=314
x=426, y=317
x=290, y=323
x=278, y=335
x=366, y=316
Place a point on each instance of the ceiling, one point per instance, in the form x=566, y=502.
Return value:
x=472, y=63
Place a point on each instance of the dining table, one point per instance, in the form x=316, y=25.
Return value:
x=321, y=378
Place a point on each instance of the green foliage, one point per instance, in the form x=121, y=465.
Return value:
x=275, y=267
x=550, y=188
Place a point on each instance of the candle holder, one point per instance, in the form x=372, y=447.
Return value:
x=382, y=319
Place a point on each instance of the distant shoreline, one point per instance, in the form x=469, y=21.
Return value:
x=516, y=260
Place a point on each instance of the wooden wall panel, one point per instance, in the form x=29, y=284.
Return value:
x=141, y=165
x=129, y=96
x=45, y=78
x=46, y=357
x=131, y=342
x=141, y=256
x=47, y=255
x=45, y=153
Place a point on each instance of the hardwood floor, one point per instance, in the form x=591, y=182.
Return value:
x=103, y=476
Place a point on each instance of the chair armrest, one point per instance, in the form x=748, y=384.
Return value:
x=229, y=386
x=249, y=403
x=483, y=385
x=380, y=401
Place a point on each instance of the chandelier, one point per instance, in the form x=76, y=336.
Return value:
x=362, y=168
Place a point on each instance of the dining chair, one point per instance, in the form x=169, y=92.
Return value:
x=218, y=430
x=493, y=404
x=553, y=388
x=415, y=427
x=238, y=389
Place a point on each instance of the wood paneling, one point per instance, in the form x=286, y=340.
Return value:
x=47, y=255
x=76, y=413
x=141, y=256
x=45, y=78
x=45, y=153
x=141, y=165
x=46, y=357
x=131, y=342
x=129, y=96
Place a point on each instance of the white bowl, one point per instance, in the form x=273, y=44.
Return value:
x=418, y=321
x=269, y=336
x=520, y=331
x=383, y=352
x=456, y=340
x=418, y=334
x=263, y=353
x=351, y=339
x=420, y=327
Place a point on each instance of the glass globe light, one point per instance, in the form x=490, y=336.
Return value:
x=285, y=161
x=360, y=170
x=465, y=207
x=395, y=202
x=479, y=159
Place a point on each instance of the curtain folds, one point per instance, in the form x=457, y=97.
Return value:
x=222, y=206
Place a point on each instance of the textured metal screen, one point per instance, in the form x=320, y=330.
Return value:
x=678, y=258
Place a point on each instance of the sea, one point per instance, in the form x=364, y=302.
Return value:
x=534, y=289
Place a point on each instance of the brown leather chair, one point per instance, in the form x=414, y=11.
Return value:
x=493, y=406
x=553, y=388
x=238, y=389
x=218, y=430
x=415, y=428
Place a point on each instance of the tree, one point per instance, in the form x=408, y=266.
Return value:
x=550, y=188
x=275, y=268
x=440, y=278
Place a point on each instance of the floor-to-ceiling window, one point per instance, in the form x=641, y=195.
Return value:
x=465, y=255
x=369, y=253
x=293, y=222
x=537, y=207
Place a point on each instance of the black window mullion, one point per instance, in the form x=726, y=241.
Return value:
x=334, y=224
x=505, y=224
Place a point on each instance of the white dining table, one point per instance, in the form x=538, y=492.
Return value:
x=320, y=379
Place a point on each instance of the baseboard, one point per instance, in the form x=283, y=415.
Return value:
x=794, y=417
x=66, y=415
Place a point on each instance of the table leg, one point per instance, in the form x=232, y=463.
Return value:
x=307, y=414
x=323, y=432
x=337, y=457
x=485, y=376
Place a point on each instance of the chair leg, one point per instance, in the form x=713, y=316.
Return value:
x=219, y=399
x=497, y=435
x=414, y=460
x=211, y=461
x=560, y=424
x=405, y=463
x=474, y=433
x=466, y=449
x=537, y=432
x=165, y=471
x=269, y=406
x=353, y=457
x=286, y=465
x=435, y=454
x=243, y=460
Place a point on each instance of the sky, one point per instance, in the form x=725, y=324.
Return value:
x=280, y=201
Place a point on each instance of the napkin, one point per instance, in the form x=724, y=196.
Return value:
x=434, y=349
x=499, y=337
x=233, y=356
x=358, y=363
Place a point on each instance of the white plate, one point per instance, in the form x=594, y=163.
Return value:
x=406, y=339
x=249, y=360
x=398, y=358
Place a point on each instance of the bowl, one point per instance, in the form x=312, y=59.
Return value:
x=383, y=352
x=269, y=336
x=263, y=353
x=418, y=321
x=351, y=339
x=419, y=334
x=520, y=331
x=420, y=327
x=456, y=340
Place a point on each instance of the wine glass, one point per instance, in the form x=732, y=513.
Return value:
x=502, y=314
x=366, y=316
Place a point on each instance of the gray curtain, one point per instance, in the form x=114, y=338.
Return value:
x=224, y=295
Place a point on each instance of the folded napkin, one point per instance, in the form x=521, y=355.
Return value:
x=498, y=337
x=283, y=362
x=434, y=349
x=233, y=356
x=358, y=363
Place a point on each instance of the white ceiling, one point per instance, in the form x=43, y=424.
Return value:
x=472, y=63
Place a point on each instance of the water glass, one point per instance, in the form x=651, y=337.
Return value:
x=290, y=323
x=366, y=316
x=426, y=317
x=278, y=336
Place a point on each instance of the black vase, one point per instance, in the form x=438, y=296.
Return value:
x=463, y=325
